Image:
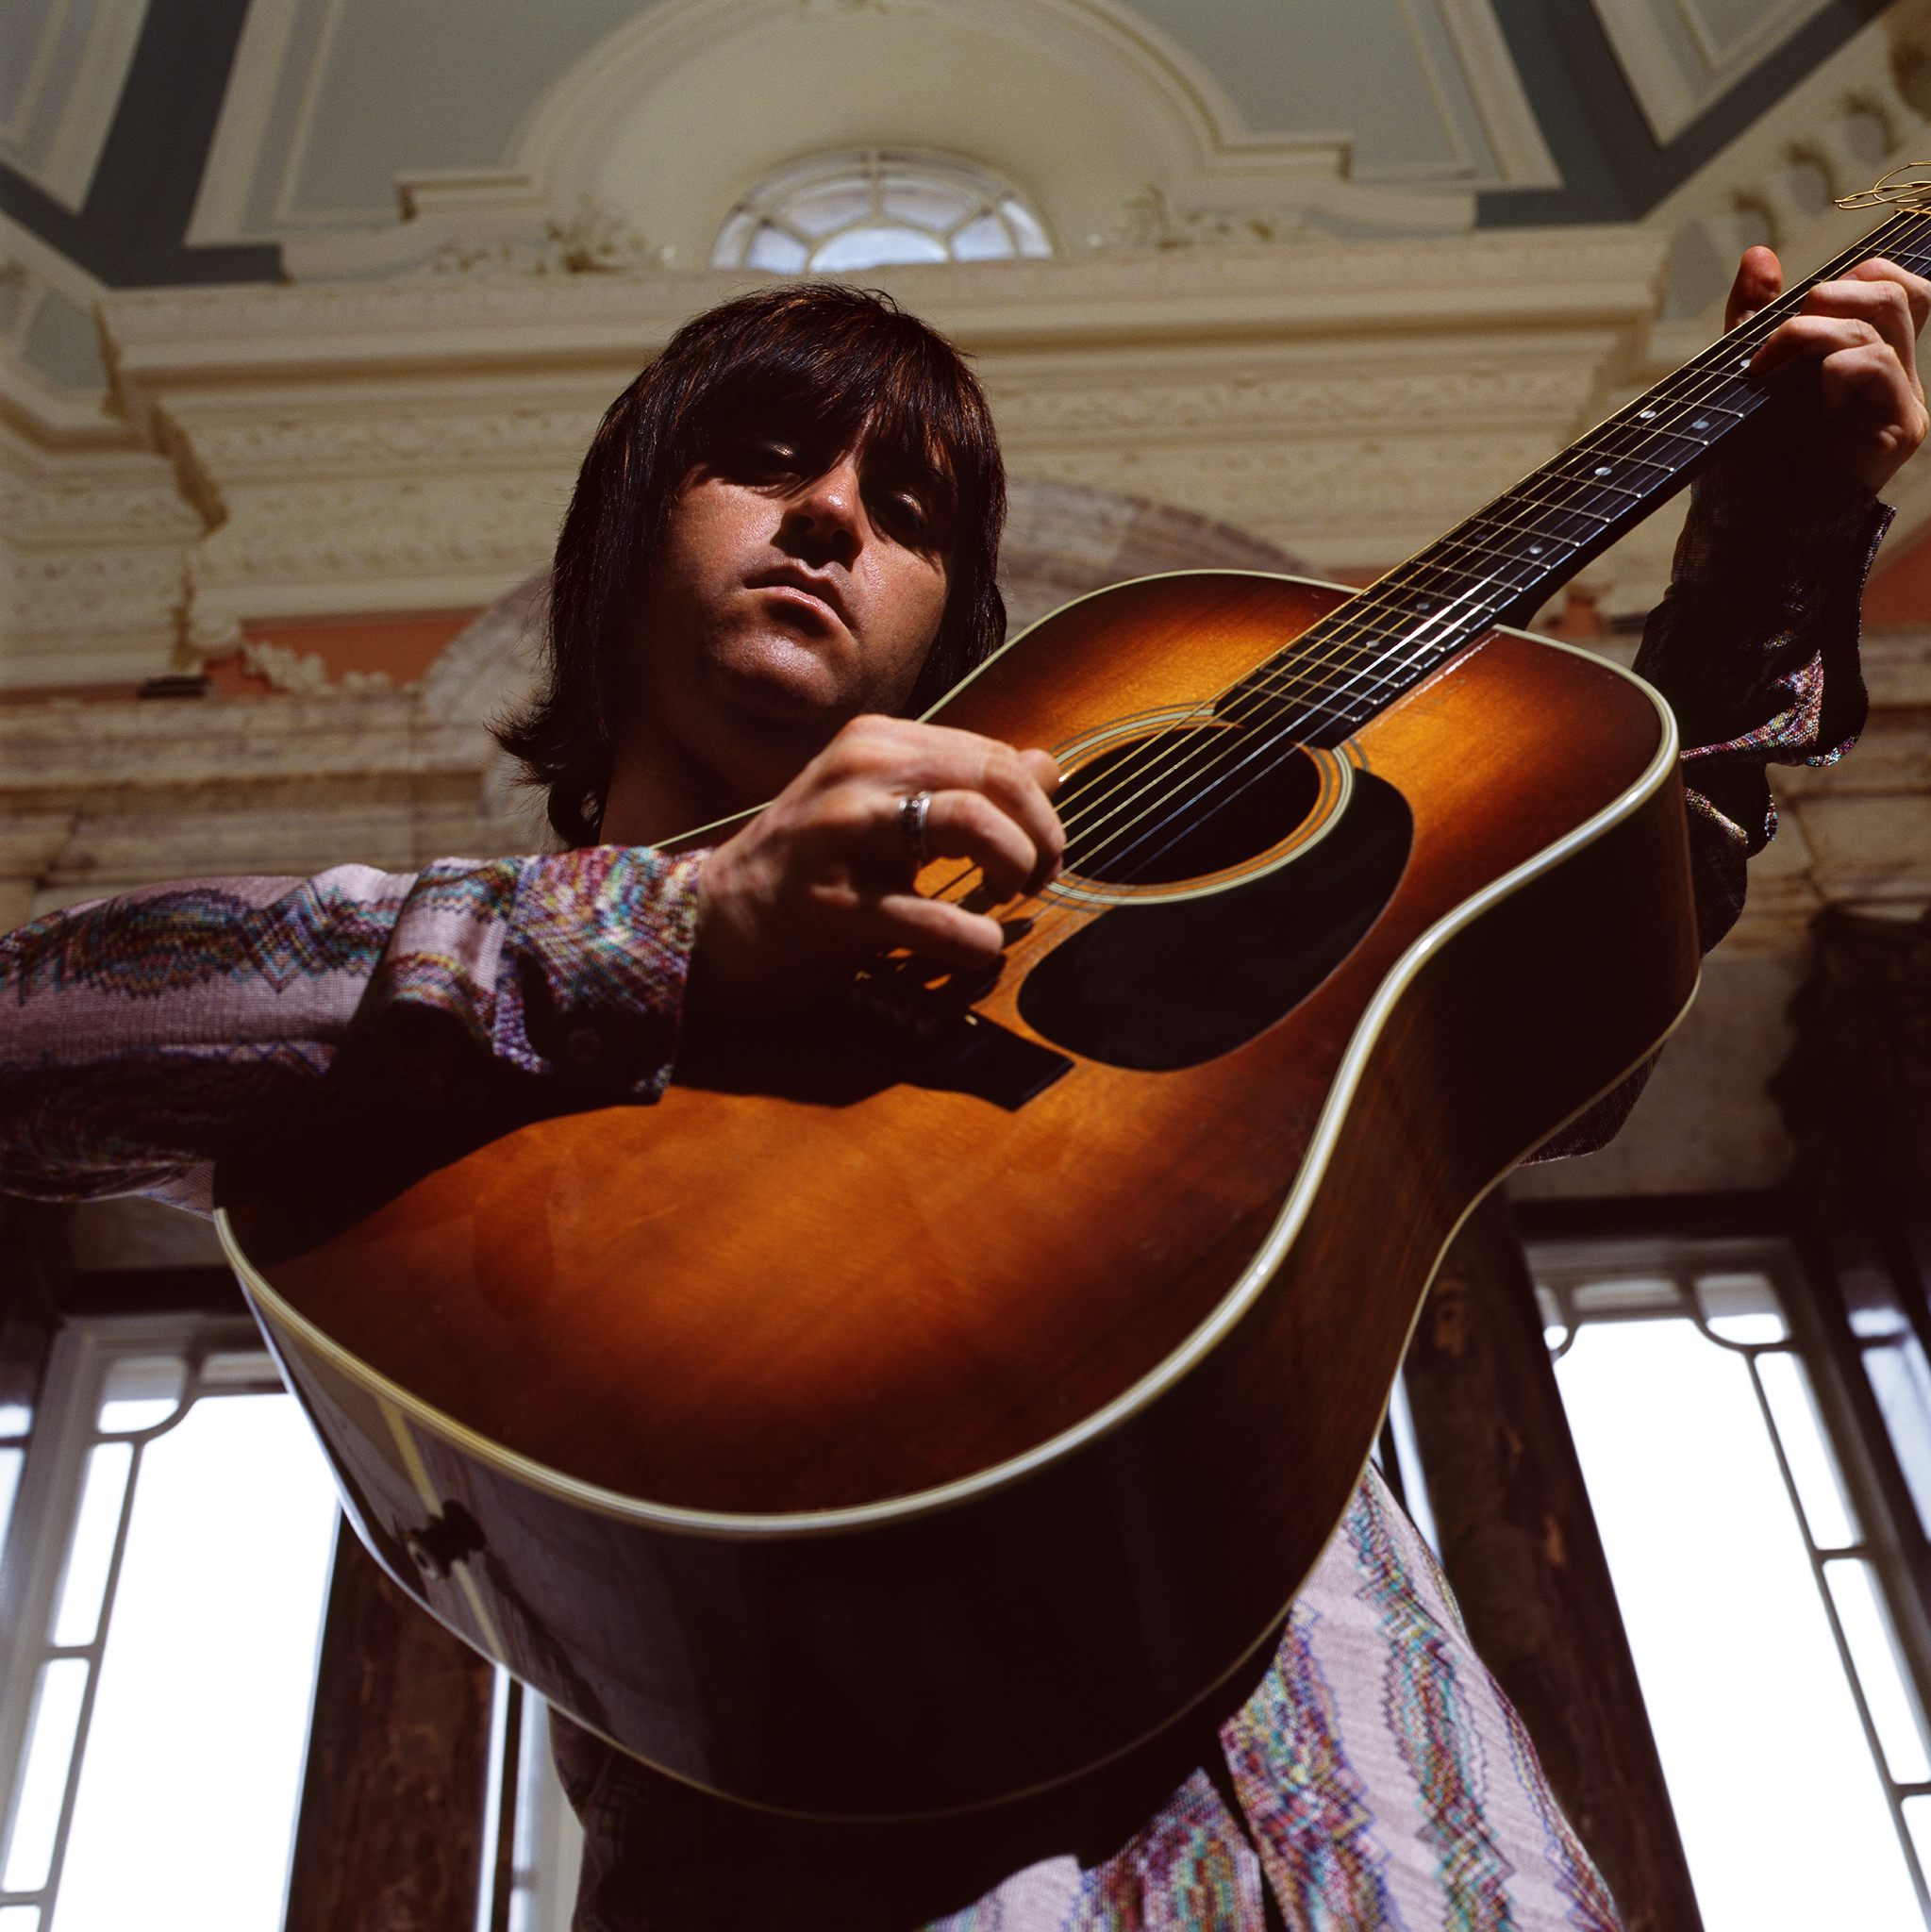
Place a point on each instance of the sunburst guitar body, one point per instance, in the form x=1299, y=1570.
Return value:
x=945, y=1390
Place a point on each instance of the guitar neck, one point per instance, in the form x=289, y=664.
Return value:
x=1500, y=564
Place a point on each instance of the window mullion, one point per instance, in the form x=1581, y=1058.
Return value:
x=1893, y=1794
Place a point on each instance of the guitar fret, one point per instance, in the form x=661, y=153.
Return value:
x=1495, y=563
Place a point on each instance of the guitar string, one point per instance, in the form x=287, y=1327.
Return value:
x=1473, y=602
x=1650, y=427
x=1634, y=440
x=1631, y=438
x=1562, y=498
x=1646, y=436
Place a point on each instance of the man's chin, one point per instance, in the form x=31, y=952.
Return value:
x=790, y=690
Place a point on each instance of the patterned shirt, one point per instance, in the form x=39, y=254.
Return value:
x=1380, y=1777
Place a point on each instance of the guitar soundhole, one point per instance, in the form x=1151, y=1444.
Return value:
x=1181, y=804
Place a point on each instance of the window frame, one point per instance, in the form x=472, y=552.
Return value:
x=1563, y=1257
x=39, y=1536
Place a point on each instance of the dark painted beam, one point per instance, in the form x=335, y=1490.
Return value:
x=1519, y=1543
x=128, y=234
x=390, y=1833
x=1613, y=169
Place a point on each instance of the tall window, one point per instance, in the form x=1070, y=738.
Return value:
x=842, y=213
x=163, y=1592
x=1759, y=1573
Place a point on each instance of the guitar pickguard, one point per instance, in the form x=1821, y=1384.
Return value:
x=1159, y=986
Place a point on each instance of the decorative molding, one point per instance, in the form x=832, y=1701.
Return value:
x=1833, y=133
x=410, y=444
x=294, y=783
x=93, y=533
x=1151, y=221
x=595, y=243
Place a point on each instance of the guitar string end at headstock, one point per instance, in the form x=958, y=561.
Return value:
x=1913, y=195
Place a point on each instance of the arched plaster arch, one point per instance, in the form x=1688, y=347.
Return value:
x=1094, y=112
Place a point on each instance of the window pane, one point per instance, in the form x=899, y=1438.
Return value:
x=92, y=1549
x=141, y=1392
x=927, y=204
x=1873, y=1649
x=873, y=244
x=829, y=205
x=1623, y=1296
x=1741, y=1307
x=19, y=1918
x=235, y=1367
x=1032, y=237
x=1918, y=1823
x=1813, y=1468
x=774, y=249
x=36, y=1817
x=984, y=239
x=193, y=1761
x=729, y=249
x=1740, y=1672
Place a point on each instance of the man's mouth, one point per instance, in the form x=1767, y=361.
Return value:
x=823, y=590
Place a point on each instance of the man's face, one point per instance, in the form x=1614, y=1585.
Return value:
x=797, y=588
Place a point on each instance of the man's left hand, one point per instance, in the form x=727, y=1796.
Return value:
x=1862, y=332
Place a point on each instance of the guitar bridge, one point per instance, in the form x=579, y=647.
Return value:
x=940, y=1042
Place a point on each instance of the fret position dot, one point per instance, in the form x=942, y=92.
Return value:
x=1644, y=415
x=1602, y=469
x=1701, y=422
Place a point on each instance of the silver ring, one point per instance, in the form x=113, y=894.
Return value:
x=912, y=812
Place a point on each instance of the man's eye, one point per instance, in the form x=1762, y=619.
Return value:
x=766, y=461
x=902, y=515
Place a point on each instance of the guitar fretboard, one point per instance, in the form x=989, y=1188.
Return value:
x=1501, y=564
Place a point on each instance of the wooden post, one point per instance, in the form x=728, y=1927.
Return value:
x=1520, y=1544
x=390, y=1833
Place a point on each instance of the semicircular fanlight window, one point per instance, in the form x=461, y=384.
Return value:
x=842, y=214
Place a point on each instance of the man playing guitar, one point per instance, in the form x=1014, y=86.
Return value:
x=781, y=548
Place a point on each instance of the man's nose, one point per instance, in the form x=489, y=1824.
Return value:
x=828, y=514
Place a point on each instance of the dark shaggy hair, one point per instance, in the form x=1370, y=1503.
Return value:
x=834, y=365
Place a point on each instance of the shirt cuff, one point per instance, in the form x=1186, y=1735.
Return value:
x=568, y=965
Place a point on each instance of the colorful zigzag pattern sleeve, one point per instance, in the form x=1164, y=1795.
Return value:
x=556, y=965
x=141, y=1034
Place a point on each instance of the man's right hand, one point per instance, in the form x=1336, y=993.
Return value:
x=820, y=880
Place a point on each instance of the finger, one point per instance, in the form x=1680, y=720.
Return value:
x=1866, y=390
x=1020, y=784
x=967, y=825
x=933, y=928
x=1917, y=291
x=900, y=757
x=1760, y=279
x=1882, y=302
x=1813, y=337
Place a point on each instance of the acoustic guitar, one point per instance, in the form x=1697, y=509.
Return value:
x=945, y=1390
